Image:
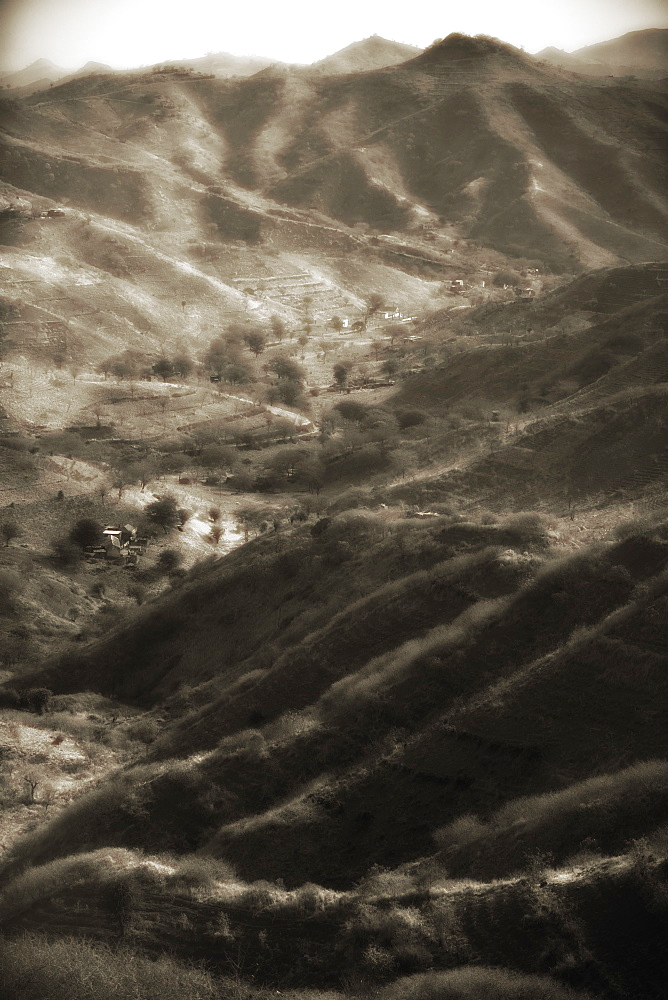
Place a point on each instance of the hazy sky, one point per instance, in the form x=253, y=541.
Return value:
x=129, y=33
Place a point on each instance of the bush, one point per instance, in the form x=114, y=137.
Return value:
x=9, y=530
x=136, y=592
x=476, y=983
x=168, y=561
x=38, y=699
x=65, y=552
x=73, y=969
x=144, y=730
x=410, y=418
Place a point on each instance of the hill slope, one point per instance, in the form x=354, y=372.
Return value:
x=638, y=53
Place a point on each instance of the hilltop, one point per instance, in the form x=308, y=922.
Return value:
x=368, y=54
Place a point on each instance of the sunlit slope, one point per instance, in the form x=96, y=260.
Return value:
x=518, y=155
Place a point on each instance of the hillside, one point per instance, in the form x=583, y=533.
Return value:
x=334, y=539
x=643, y=54
x=359, y=756
x=369, y=54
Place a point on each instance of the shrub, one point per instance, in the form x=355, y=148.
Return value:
x=168, y=561
x=9, y=530
x=410, y=418
x=38, y=699
x=144, y=730
x=476, y=983
x=75, y=969
x=85, y=532
x=65, y=552
x=136, y=592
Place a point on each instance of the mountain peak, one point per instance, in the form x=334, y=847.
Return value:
x=374, y=52
x=464, y=51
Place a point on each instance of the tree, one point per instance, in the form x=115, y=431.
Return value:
x=349, y=409
x=122, y=477
x=98, y=412
x=168, y=561
x=86, y=532
x=121, y=369
x=256, y=341
x=183, y=365
x=307, y=313
x=394, y=331
x=9, y=530
x=290, y=392
x=143, y=472
x=217, y=458
x=253, y=518
x=277, y=327
x=390, y=367
x=336, y=324
x=506, y=277
x=163, y=513
x=285, y=368
x=341, y=372
x=238, y=373
x=288, y=460
x=373, y=304
x=216, y=356
x=302, y=341
x=163, y=368
x=215, y=534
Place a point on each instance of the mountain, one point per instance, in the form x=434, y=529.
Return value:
x=373, y=707
x=38, y=75
x=224, y=64
x=370, y=53
x=643, y=54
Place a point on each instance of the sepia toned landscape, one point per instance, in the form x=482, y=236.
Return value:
x=334, y=525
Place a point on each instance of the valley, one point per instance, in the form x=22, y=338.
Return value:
x=334, y=527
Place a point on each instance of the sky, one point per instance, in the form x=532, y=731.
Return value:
x=129, y=33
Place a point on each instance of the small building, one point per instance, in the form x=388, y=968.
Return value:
x=117, y=540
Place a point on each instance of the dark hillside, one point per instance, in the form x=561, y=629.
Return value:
x=460, y=716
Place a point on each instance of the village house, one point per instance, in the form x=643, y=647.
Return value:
x=119, y=542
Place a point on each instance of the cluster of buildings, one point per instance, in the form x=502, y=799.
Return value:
x=120, y=544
